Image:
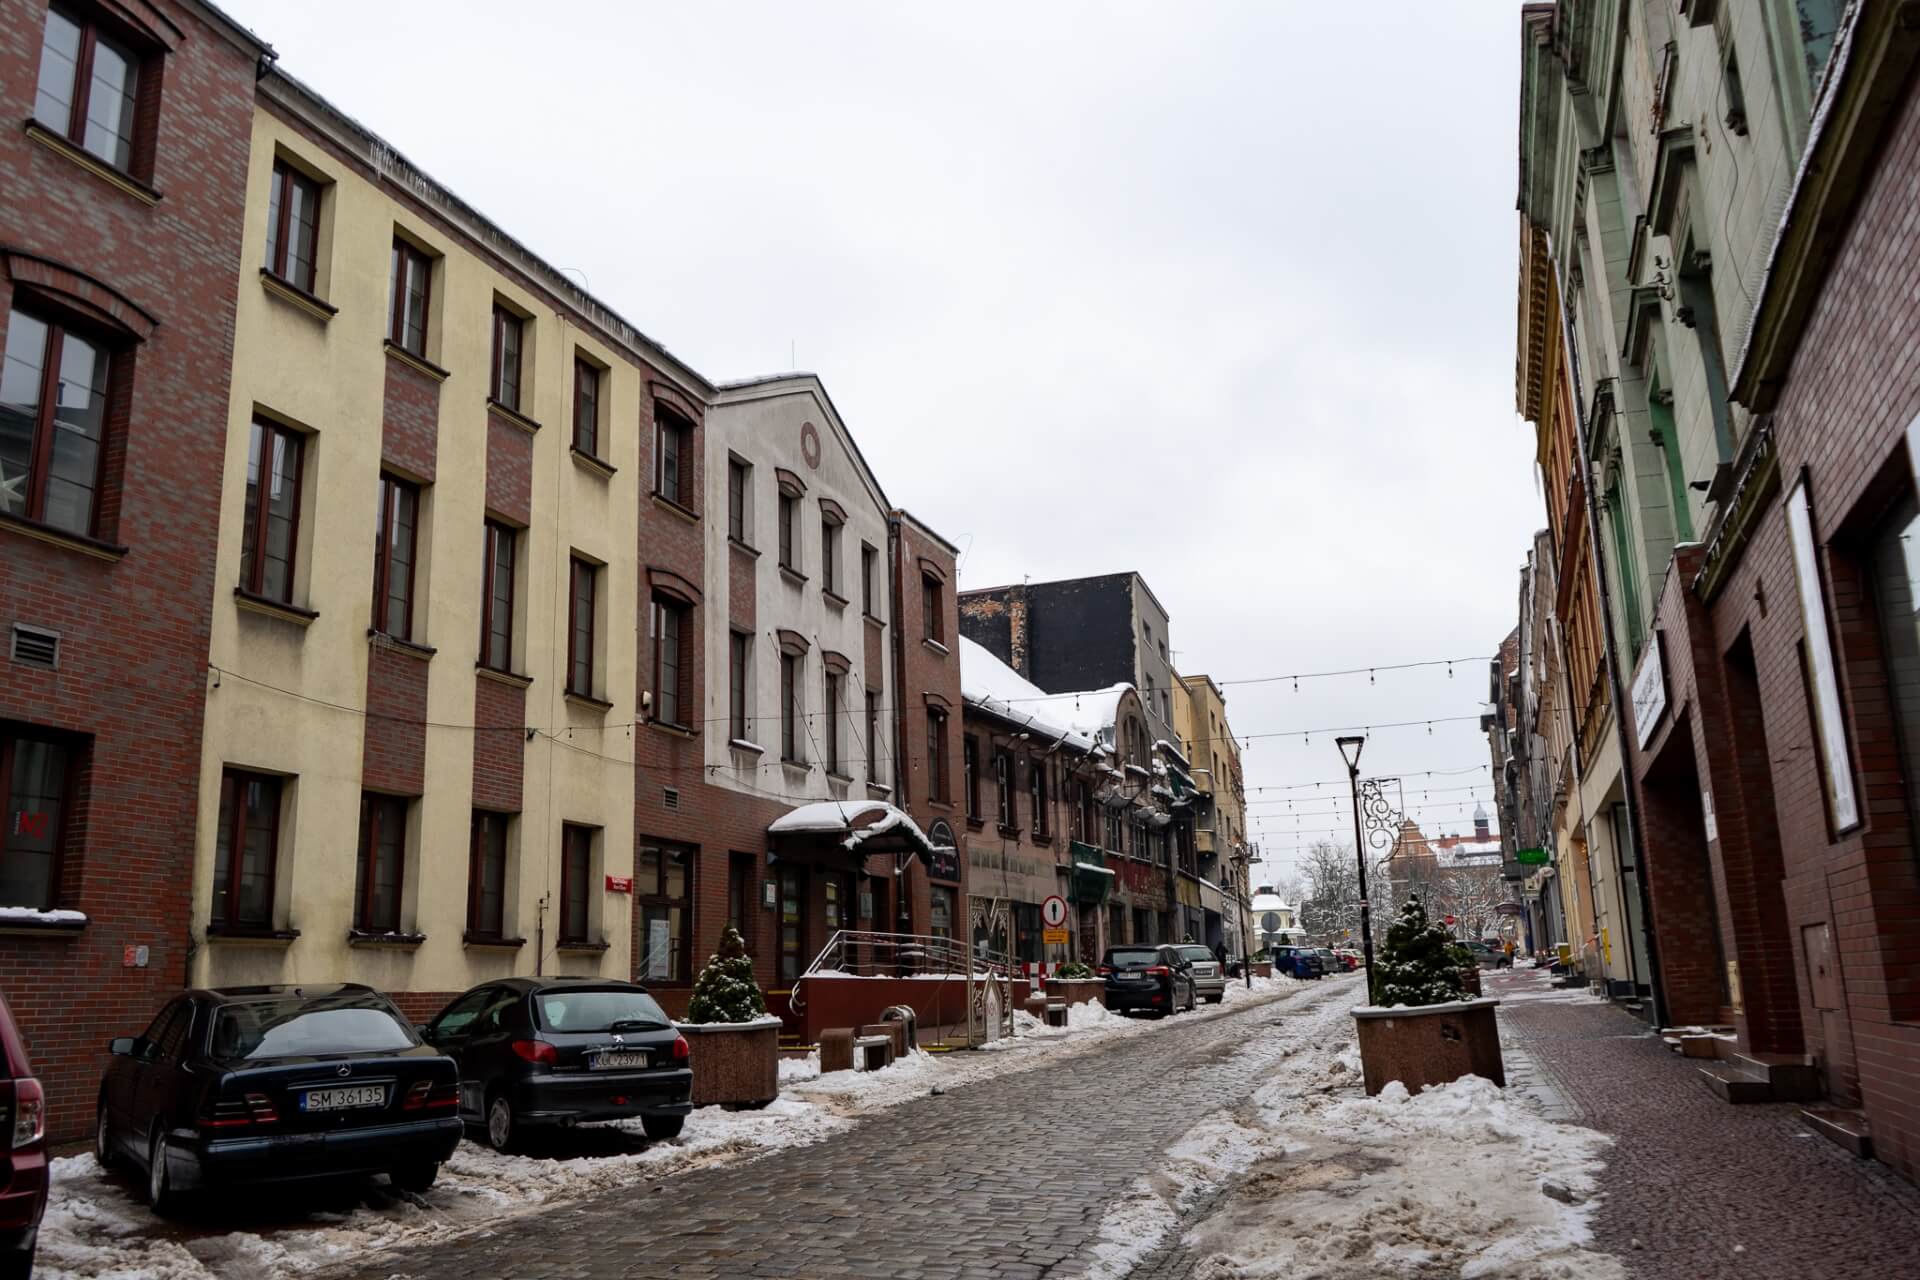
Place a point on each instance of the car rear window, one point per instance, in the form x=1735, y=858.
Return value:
x=1133, y=956
x=298, y=1027
x=601, y=1010
x=1197, y=953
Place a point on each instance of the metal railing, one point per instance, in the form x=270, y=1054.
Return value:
x=859, y=953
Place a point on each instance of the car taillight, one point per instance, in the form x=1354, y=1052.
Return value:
x=1158, y=971
x=1104, y=971
x=536, y=1051
x=428, y=1096
x=681, y=1049
x=29, y=1112
x=232, y=1113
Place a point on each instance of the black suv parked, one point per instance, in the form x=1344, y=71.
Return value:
x=267, y=1084
x=1156, y=979
x=553, y=1051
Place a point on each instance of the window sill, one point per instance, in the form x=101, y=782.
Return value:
x=380, y=939
x=293, y=295
x=1011, y=833
x=742, y=547
x=381, y=640
x=112, y=175
x=246, y=933
x=44, y=924
x=581, y=947
x=975, y=824
x=588, y=701
x=793, y=575
x=796, y=766
x=491, y=941
x=587, y=462
x=844, y=779
x=873, y=620
x=420, y=364
x=512, y=679
x=273, y=608
x=751, y=748
x=880, y=791
x=672, y=730
x=86, y=546
x=513, y=417
x=673, y=508
x=834, y=598
x=936, y=646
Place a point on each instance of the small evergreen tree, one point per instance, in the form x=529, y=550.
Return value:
x=725, y=990
x=1420, y=963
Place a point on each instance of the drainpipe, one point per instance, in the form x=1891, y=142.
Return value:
x=1629, y=788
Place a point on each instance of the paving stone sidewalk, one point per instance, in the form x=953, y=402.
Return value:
x=1007, y=1178
x=1696, y=1188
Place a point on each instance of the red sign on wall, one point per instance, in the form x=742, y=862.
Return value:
x=619, y=884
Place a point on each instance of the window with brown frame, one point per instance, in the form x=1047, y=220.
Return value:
x=586, y=407
x=487, y=874
x=739, y=496
x=937, y=757
x=56, y=387
x=576, y=884
x=293, y=226
x=672, y=632
x=381, y=872
x=504, y=380
x=829, y=555
x=830, y=716
x=1003, y=785
x=496, y=597
x=580, y=629
x=1037, y=798
x=789, y=531
x=663, y=897
x=409, y=287
x=395, y=551
x=970, y=774
x=673, y=454
x=739, y=666
x=932, y=614
x=245, y=851
x=89, y=88
x=270, y=532
x=36, y=772
x=873, y=738
x=790, y=708
x=869, y=580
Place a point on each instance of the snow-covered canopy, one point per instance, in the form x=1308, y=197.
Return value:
x=861, y=820
x=1077, y=720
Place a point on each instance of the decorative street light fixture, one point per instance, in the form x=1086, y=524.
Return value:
x=1350, y=752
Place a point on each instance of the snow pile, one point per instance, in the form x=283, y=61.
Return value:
x=1132, y=1229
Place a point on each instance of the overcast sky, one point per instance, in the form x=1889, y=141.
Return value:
x=1224, y=293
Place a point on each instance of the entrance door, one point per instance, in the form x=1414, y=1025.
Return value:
x=793, y=922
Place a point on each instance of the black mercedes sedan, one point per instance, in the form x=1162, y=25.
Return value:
x=273, y=1084
x=541, y=1052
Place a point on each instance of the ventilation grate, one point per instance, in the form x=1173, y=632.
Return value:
x=670, y=797
x=36, y=648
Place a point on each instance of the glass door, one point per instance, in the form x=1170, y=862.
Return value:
x=793, y=933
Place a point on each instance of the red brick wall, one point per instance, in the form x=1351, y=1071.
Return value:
x=509, y=470
x=499, y=746
x=924, y=676
x=133, y=630
x=411, y=426
x=394, y=755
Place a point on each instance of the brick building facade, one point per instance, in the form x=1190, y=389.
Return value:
x=117, y=285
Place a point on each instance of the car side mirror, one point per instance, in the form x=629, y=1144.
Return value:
x=422, y=1030
x=120, y=1046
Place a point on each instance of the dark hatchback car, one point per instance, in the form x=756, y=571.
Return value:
x=1296, y=962
x=23, y=1153
x=276, y=1084
x=540, y=1052
x=1158, y=980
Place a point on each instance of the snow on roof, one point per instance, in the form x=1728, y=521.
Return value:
x=827, y=815
x=1090, y=711
x=996, y=688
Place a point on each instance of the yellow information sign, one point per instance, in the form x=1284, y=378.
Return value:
x=1053, y=936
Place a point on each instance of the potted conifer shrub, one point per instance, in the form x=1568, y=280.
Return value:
x=1423, y=1027
x=1075, y=983
x=734, y=1041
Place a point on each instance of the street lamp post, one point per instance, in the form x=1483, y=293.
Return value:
x=1350, y=752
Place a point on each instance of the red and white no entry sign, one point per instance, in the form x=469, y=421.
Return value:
x=1053, y=912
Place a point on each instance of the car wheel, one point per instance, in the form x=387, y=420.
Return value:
x=415, y=1176
x=161, y=1197
x=17, y=1264
x=104, y=1154
x=662, y=1128
x=502, y=1125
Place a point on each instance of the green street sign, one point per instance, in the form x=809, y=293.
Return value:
x=1531, y=857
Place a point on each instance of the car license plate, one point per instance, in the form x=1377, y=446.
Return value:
x=344, y=1099
x=619, y=1061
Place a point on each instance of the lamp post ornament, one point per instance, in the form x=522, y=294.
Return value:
x=1350, y=752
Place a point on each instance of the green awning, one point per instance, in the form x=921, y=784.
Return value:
x=1092, y=880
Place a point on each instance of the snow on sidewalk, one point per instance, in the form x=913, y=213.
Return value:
x=1311, y=1177
x=97, y=1229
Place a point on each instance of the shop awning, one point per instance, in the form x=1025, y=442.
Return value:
x=857, y=827
x=1092, y=879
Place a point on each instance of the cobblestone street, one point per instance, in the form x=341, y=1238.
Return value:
x=1695, y=1188
x=1007, y=1178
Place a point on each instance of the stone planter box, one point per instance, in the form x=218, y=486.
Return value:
x=1263, y=968
x=1429, y=1045
x=734, y=1063
x=1077, y=990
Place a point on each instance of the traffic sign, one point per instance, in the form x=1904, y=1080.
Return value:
x=1051, y=937
x=1053, y=913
